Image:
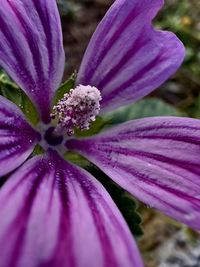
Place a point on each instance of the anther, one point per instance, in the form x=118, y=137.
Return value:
x=77, y=109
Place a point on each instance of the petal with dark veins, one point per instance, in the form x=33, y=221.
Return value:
x=57, y=215
x=31, y=49
x=127, y=58
x=17, y=137
x=155, y=159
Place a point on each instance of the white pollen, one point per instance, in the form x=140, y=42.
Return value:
x=77, y=109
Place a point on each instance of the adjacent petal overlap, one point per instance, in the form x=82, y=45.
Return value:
x=55, y=214
x=31, y=49
x=126, y=58
x=155, y=159
x=17, y=137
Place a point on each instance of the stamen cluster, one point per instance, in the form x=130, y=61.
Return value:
x=77, y=109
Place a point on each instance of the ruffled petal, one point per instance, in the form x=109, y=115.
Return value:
x=126, y=58
x=31, y=49
x=155, y=159
x=17, y=137
x=55, y=214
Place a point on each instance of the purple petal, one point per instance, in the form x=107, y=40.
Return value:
x=31, y=49
x=55, y=214
x=126, y=58
x=155, y=159
x=17, y=138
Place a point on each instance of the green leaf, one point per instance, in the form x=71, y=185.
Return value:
x=77, y=159
x=29, y=109
x=95, y=128
x=38, y=150
x=9, y=89
x=12, y=92
x=65, y=88
x=148, y=107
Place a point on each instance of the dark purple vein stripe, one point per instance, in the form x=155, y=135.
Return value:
x=64, y=218
x=25, y=210
x=38, y=67
x=15, y=47
x=144, y=181
x=126, y=58
x=32, y=39
x=123, y=11
x=106, y=246
x=155, y=159
x=119, y=30
x=52, y=40
x=125, y=86
x=149, y=156
x=137, y=45
x=17, y=137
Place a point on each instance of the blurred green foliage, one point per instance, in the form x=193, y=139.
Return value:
x=183, y=18
x=65, y=8
x=148, y=107
x=12, y=92
x=65, y=88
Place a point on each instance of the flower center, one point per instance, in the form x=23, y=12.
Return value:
x=51, y=138
x=77, y=109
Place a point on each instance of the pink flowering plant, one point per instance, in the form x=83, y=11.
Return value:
x=54, y=213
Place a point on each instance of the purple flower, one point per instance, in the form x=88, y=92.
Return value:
x=52, y=212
